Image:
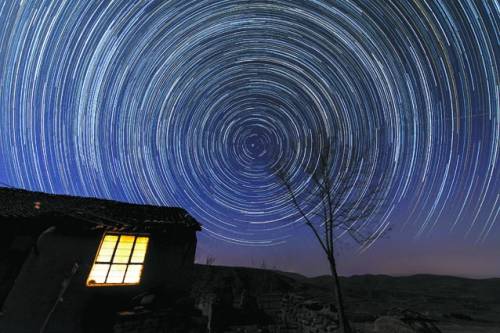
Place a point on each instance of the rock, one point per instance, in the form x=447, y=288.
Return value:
x=387, y=324
x=406, y=322
x=147, y=299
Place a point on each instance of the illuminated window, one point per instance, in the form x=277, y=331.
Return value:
x=119, y=260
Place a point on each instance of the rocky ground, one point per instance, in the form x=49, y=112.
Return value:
x=449, y=303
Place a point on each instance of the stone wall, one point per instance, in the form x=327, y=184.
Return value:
x=160, y=321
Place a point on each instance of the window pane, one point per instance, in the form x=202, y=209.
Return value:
x=119, y=260
x=123, y=250
x=141, y=245
x=107, y=248
x=98, y=274
x=116, y=274
x=133, y=274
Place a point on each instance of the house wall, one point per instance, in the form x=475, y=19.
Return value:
x=63, y=263
x=17, y=239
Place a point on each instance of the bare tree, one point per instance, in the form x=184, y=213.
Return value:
x=341, y=193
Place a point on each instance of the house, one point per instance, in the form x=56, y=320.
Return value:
x=71, y=264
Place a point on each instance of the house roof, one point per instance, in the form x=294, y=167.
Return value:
x=17, y=203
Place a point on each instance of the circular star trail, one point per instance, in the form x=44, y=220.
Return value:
x=190, y=103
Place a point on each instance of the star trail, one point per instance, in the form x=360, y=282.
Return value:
x=190, y=103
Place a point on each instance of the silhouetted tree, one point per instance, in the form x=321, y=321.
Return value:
x=341, y=193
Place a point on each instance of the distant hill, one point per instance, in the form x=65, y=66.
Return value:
x=479, y=299
x=259, y=281
x=441, y=297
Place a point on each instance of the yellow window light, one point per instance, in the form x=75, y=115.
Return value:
x=119, y=260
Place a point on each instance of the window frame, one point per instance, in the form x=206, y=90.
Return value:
x=127, y=264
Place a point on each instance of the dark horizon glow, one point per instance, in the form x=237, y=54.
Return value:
x=190, y=103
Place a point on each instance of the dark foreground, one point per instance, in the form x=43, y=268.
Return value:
x=254, y=299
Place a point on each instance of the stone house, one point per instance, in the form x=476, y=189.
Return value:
x=71, y=264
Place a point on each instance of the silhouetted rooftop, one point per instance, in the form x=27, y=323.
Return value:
x=17, y=203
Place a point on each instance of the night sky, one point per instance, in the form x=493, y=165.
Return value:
x=191, y=103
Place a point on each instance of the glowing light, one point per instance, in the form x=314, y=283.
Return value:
x=119, y=260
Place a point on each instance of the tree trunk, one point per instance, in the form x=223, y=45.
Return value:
x=343, y=322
